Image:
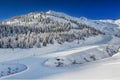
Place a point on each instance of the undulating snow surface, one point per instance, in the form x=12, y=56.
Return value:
x=35, y=59
x=106, y=69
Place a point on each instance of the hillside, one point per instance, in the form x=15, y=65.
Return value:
x=42, y=28
x=54, y=45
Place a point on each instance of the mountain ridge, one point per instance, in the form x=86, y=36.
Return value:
x=51, y=12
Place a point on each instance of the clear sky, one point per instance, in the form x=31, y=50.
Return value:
x=93, y=9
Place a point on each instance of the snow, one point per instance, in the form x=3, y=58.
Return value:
x=80, y=55
x=107, y=26
x=106, y=69
x=69, y=61
x=115, y=41
x=36, y=58
x=117, y=22
x=67, y=57
x=60, y=14
x=10, y=69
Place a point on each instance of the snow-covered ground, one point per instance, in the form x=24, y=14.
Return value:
x=94, y=58
x=106, y=69
x=7, y=69
x=35, y=60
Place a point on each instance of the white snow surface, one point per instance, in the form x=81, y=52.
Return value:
x=7, y=69
x=35, y=59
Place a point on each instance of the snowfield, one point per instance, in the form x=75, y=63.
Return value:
x=42, y=62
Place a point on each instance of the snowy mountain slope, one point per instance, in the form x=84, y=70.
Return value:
x=106, y=69
x=75, y=48
x=79, y=56
x=102, y=25
x=117, y=22
x=97, y=24
x=32, y=19
x=42, y=28
x=37, y=69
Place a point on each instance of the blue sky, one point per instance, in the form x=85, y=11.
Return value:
x=93, y=9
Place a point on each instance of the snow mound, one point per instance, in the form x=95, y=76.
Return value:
x=58, y=61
